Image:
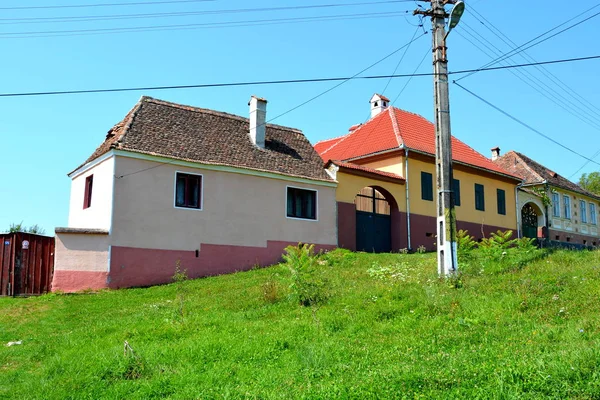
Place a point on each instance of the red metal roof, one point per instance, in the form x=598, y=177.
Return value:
x=392, y=128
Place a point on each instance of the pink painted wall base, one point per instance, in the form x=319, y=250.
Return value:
x=76, y=281
x=134, y=267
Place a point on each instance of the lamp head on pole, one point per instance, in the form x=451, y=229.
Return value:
x=455, y=14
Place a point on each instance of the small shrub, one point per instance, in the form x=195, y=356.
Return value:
x=421, y=249
x=465, y=242
x=270, y=291
x=308, y=284
x=179, y=277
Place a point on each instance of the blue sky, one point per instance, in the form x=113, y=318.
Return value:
x=45, y=137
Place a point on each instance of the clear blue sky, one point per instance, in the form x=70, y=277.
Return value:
x=45, y=137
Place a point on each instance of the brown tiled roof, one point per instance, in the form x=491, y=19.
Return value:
x=161, y=128
x=348, y=167
x=534, y=172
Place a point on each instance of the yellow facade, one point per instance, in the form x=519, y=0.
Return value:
x=393, y=163
x=350, y=185
x=467, y=176
x=575, y=224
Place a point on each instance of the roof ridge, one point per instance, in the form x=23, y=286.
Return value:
x=212, y=112
x=128, y=121
x=395, y=126
x=333, y=138
x=351, y=133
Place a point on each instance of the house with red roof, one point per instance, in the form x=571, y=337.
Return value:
x=385, y=170
x=551, y=206
x=174, y=184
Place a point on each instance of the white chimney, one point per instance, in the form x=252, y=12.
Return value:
x=495, y=153
x=258, y=120
x=378, y=103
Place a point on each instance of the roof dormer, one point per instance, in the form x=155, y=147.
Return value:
x=378, y=103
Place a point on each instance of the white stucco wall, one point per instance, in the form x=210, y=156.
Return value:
x=81, y=252
x=242, y=210
x=98, y=215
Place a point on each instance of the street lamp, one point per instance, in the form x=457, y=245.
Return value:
x=455, y=14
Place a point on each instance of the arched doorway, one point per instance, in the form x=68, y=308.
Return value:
x=374, y=207
x=530, y=219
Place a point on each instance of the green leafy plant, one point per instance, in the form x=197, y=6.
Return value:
x=421, y=249
x=308, y=284
x=497, y=240
x=179, y=278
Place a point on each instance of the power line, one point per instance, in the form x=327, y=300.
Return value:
x=145, y=3
x=521, y=49
x=524, y=124
x=347, y=79
x=534, y=82
x=400, y=61
x=560, y=85
x=68, y=19
x=566, y=88
x=100, y=31
x=427, y=52
x=288, y=81
x=584, y=165
x=305, y=102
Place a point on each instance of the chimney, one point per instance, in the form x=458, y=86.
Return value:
x=258, y=120
x=495, y=153
x=378, y=104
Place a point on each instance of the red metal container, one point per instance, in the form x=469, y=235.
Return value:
x=26, y=264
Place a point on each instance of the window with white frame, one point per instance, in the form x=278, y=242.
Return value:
x=567, y=207
x=593, y=214
x=301, y=203
x=583, y=211
x=188, y=191
x=556, y=204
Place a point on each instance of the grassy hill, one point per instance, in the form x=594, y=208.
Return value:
x=380, y=326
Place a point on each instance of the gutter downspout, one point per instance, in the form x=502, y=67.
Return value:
x=407, y=199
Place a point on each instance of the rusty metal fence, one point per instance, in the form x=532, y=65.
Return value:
x=26, y=264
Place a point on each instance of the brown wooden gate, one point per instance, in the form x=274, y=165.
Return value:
x=26, y=264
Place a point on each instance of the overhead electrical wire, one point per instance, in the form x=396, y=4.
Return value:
x=576, y=105
x=531, y=43
x=288, y=81
x=227, y=24
x=427, y=52
x=505, y=113
x=533, y=81
x=307, y=101
x=348, y=79
x=548, y=74
x=70, y=19
x=400, y=61
x=137, y=3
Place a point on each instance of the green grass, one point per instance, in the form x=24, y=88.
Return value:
x=388, y=329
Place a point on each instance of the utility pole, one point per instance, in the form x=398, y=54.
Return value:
x=446, y=217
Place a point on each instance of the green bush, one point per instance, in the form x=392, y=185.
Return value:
x=497, y=253
x=308, y=285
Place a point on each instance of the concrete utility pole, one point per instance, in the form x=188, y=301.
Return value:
x=446, y=217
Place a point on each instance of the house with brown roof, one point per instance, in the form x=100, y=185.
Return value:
x=385, y=170
x=549, y=205
x=213, y=191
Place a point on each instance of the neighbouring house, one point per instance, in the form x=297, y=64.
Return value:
x=550, y=206
x=385, y=170
x=173, y=183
